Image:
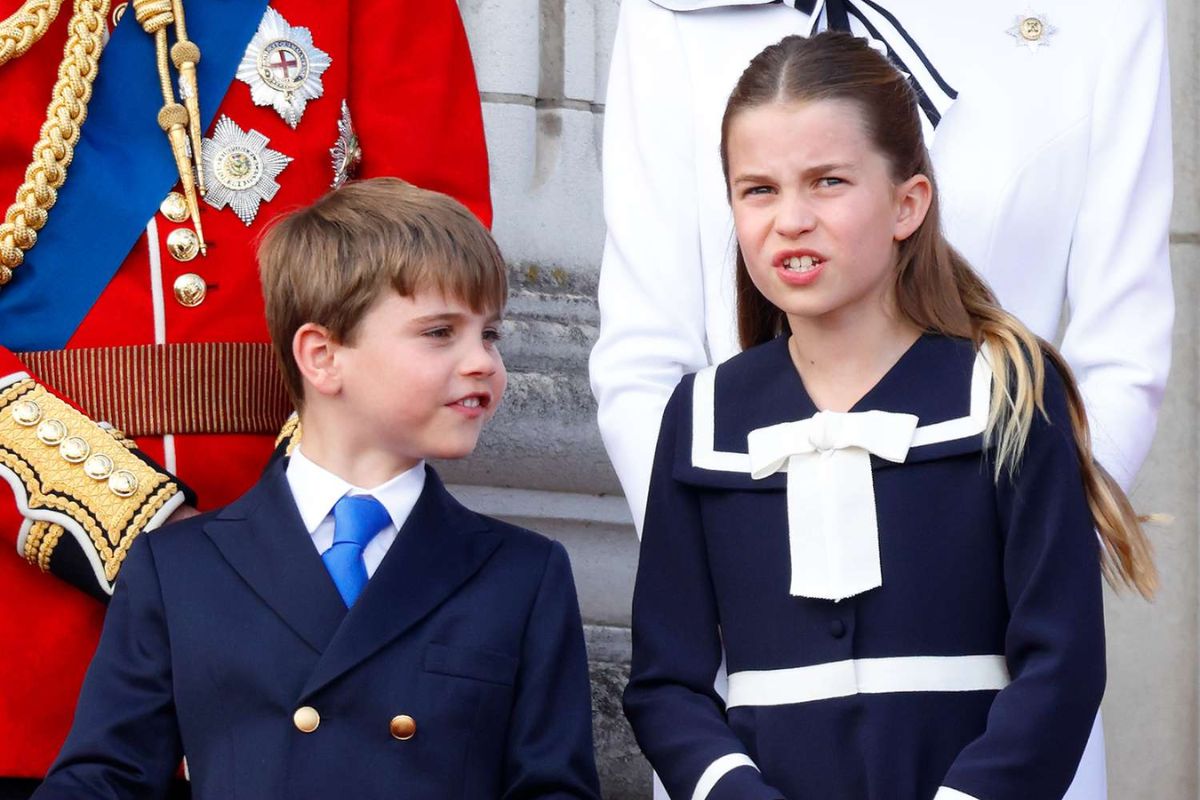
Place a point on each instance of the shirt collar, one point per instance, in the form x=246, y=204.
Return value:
x=316, y=489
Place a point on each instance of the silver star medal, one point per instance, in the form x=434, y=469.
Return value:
x=282, y=67
x=1032, y=30
x=346, y=151
x=244, y=169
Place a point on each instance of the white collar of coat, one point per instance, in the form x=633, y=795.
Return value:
x=826, y=457
x=873, y=22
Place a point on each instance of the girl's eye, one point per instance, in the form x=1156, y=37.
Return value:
x=829, y=180
x=492, y=335
x=753, y=190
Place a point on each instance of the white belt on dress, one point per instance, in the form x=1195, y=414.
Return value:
x=777, y=687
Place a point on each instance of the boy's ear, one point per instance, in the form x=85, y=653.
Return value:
x=314, y=348
x=913, y=198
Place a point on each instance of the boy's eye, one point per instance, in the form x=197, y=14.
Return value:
x=753, y=190
x=830, y=180
x=438, y=333
x=492, y=335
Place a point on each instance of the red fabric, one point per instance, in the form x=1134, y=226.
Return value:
x=404, y=67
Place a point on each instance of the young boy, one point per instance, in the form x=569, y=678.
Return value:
x=318, y=639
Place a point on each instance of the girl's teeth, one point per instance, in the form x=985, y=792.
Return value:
x=800, y=263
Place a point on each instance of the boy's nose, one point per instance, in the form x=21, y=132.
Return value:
x=481, y=359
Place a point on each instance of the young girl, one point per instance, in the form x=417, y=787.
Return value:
x=884, y=511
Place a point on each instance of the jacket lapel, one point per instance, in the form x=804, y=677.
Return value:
x=263, y=538
x=439, y=548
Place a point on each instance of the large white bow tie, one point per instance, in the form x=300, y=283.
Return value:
x=832, y=529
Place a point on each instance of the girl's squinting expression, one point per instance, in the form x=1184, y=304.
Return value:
x=817, y=214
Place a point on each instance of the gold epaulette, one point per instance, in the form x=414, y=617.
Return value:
x=71, y=475
x=289, y=434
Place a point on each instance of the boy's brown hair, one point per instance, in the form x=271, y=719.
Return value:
x=329, y=262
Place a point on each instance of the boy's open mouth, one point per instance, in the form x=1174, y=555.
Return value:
x=481, y=400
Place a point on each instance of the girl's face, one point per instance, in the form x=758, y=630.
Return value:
x=817, y=215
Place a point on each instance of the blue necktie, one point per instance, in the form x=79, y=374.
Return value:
x=356, y=520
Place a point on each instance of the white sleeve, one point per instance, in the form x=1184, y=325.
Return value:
x=651, y=290
x=1118, y=339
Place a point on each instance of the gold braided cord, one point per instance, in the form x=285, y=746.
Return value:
x=177, y=120
x=180, y=22
x=60, y=132
x=47, y=542
x=154, y=16
x=21, y=30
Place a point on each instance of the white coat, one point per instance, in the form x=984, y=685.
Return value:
x=1054, y=166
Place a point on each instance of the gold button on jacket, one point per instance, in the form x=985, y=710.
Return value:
x=403, y=727
x=174, y=207
x=306, y=719
x=190, y=290
x=183, y=244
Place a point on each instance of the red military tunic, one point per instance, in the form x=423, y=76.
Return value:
x=404, y=71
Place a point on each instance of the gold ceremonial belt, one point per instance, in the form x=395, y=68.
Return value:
x=151, y=390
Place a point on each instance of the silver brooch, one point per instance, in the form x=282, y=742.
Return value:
x=282, y=67
x=244, y=167
x=1032, y=30
x=346, y=152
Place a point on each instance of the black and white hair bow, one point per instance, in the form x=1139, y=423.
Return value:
x=870, y=20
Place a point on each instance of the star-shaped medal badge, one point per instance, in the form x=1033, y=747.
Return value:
x=346, y=151
x=282, y=67
x=1032, y=30
x=244, y=169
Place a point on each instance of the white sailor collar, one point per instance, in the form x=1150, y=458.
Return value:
x=944, y=382
x=753, y=426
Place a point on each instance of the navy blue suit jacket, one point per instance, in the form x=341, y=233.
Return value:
x=224, y=625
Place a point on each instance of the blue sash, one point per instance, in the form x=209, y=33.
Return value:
x=122, y=170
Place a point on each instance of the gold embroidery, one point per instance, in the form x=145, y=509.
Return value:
x=122, y=439
x=110, y=522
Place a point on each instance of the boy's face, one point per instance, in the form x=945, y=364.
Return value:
x=421, y=378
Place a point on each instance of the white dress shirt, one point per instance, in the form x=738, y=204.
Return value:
x=316, y=490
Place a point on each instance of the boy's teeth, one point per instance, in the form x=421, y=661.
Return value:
x=471, y=402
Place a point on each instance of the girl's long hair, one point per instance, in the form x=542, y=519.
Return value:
x=936, y=289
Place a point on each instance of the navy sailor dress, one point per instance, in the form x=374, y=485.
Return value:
x=897, y=622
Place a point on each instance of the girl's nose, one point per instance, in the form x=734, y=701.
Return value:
x=795, y=215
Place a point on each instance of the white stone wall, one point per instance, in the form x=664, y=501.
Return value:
x=542, y=66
